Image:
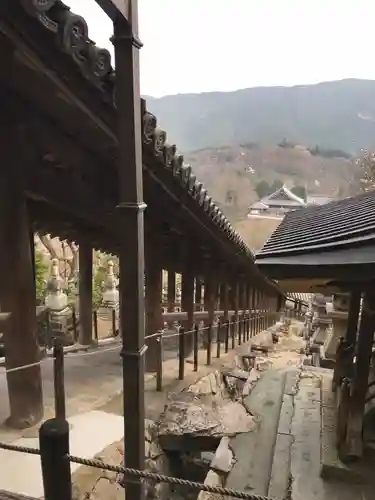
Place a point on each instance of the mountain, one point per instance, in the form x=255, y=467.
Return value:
x=333, y=115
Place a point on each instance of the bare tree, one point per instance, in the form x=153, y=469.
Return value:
x=367, y=171
x=71, y=260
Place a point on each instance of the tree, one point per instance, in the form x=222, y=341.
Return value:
x=262, y=189
x=40, y=272
x=71, y=261
x=367, y=171
x=277, y=184
x=299, y=191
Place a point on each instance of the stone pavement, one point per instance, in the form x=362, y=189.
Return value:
x=282, y=458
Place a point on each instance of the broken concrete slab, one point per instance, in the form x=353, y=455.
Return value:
x=263, y=364
x=223, y=459
x=250, y=383
x=260, y=348
x=291, y=382
x=192, y=420
x=212, y=479
x=211, y=384
x=236, y=373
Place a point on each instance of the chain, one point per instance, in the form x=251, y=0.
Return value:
x=157, y=478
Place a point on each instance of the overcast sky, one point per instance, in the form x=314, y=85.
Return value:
x=206, y=45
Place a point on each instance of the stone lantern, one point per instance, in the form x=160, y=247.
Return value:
x=338, y=312
x=111, y=296
x=56, y=298
x=56, y=302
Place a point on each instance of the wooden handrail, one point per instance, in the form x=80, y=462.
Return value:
x=179, y=316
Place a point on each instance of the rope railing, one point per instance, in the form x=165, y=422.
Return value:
x=234, y=331
x=73, y=327
x=96, y=350
x=131, y=473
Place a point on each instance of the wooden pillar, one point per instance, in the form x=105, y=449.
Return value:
x=85, y=294
x=153, y=302
x=131, y=219
x=244, y=304
x=198, y=294
x=171, y=294
x=187, y=300
x=247, y=297
x=171, y=290
x=257, y=308
x=352, y=325
x=224, y=299
x=17, y=284
x=236, y=297
x=354, y=441
x=210, y=296
x=345, y=348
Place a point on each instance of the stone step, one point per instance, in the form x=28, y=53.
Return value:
x=253, y=451
x=280, y=472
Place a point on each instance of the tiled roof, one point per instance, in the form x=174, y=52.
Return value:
x=304, y=297
x=70, y=33
x=291, y=198
x=331, y=226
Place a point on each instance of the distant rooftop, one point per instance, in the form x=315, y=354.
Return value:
x=318, y=199
x=283, y=196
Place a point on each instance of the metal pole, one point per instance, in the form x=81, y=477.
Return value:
x=181, y=353
x=131, y=239
x=159, y=368
x=196, y=332
x=58, y=379
x=54, y=446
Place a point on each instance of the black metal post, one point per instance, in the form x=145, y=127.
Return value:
x=233, y=332
x=239, y=329
x=226, y=345
x=114, y=322
x=218, y=342
x=58, y=379
x=181, y=353
x=159, y=367
x=48, y=330
x=195, y=346
x=209, y=340
x=54, y=446
x=244, y=328
x=96, y=334
x=74, y=321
